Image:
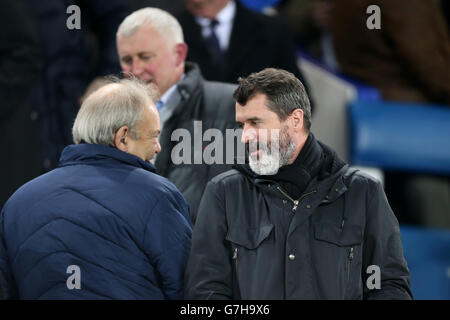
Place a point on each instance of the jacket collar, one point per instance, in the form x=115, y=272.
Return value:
x=327, y=190
x=192, y=81
x=190, y=89
x=93, y=153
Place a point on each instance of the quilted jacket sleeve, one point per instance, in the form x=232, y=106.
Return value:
x=7, y=287
x=167, y=242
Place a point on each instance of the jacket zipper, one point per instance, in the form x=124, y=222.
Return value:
x=235, y=255
x=349, y=263
x=235, y=284
x=295, y=202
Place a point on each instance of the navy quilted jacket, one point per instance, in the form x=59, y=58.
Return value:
x=104, y=211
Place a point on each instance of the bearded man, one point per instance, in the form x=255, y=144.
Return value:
x=296, y=222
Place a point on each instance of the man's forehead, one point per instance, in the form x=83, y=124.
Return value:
x=256, y=106
x=256, y=99
x=140, y=37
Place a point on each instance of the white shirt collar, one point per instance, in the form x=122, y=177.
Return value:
x=225, y=16
x=225, y=23
x=165, y=97
x=167, y=94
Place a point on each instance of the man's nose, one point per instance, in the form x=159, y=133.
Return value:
x=248, y=134
x=158, y=147
x=137, y=67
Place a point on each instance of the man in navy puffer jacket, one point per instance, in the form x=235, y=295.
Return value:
x=102, y=225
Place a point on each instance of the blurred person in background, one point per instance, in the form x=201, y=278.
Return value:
x=310, y=21
x=74, y=59
x=230, y=41
x=21, y=63
x=103, y=211
x=446, y=11
x=407, y=59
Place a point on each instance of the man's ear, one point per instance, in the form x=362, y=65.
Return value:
x=297, y=119
x=181, y=50
x=121, y=138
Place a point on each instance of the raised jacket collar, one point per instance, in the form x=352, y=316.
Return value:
x=93, y=153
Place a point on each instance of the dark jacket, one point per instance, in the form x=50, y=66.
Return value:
x=21, y=62
x=211, y=103
x=108, y=213
x=340, y=226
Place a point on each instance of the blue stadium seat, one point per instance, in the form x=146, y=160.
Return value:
x=259, y=5
x=427, y=252
x=400, y=136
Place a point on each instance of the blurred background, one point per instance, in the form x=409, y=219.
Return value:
x=378, y=74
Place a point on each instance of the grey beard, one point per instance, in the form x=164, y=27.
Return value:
x=270, y=162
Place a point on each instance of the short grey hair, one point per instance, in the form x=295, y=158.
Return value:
x=118, y=103
x=163, y=22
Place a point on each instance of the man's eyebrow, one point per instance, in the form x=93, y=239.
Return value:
x=145, y=52
x=139, y=54
x=249, y=119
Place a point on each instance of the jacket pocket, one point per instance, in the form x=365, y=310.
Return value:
x=244, y=249
x=349, y=235
x=249, y=238
x=345, y=243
